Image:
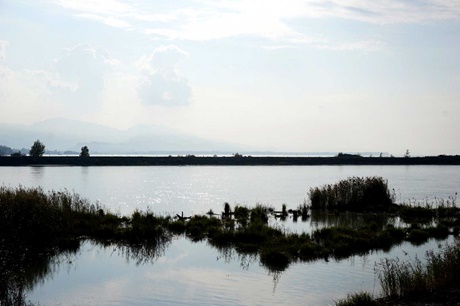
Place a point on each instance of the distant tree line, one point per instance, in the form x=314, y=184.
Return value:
x=36, y=150
x=4, y=150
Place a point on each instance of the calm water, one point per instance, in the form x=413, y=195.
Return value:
x=197, y=189
x=196, y=273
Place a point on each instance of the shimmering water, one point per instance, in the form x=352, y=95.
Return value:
x=190, y=273
x=194, y=189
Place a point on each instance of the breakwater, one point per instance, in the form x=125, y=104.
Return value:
x=222, y=161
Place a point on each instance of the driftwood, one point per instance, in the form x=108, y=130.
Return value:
x=181, y=217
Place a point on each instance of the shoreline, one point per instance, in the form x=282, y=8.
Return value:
x=450, y=160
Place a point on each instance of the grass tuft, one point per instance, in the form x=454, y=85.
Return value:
x=357, y=299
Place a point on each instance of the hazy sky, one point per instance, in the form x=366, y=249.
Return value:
x=294, y=75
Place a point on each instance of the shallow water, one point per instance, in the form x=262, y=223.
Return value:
x=196, y=273
x=195, y=189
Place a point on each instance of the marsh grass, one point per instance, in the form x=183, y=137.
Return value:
x=33, y=221
x=38, y=220
x=353, y=194
x=435, y=281
x=428, y=211
x=358, y=299
x=411, y=277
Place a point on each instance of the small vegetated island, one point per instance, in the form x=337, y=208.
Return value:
x=34, y=222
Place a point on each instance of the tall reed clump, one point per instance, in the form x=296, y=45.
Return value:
x=35, y=219
x=353, y=194
x=145, y=227
x=412, y=277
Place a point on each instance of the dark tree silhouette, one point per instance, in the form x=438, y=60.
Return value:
x=37, y=149
x=4, y=150
x=84, y=152
x=407, y=154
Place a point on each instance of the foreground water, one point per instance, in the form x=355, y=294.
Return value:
x=184, y=272
x=194, y=274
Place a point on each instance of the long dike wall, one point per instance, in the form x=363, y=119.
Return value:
x=222, y=161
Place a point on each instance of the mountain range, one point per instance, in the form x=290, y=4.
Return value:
x=62, y=134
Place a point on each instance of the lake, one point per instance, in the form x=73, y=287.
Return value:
x=186, y=272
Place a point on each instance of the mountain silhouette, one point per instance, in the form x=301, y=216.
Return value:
x=70, y=135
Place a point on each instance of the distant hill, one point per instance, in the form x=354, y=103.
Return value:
x=70, y=135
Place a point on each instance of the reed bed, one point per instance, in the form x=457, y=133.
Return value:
x=435, y=281
x=353, y=194
x=411, y=277
x=33, y=221
x=38, y=220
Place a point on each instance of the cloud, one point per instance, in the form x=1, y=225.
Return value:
x=96, y=6
x=3, y=70
x=35, y=83
x=84, y=67
x=387, y=11
x=161, y=82
x=269, y=20
x=214, y=21
x=3, y=45
x=368, y=45
x=27, y=94
x=112, y=13
x=110, y=21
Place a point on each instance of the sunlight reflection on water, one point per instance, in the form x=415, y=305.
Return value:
x=195, y=190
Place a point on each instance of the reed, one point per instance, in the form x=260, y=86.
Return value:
x=37, y=220
x=353, y=194
x=358, y=299
x=304, y=211
x=200, y=227
x=260, y=213
x=410, y=278
x=241, y=214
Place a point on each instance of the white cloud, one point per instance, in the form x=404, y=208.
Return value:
x=28, y=95
x=25, y=87
x=204, y=20
x=277, y=47
x=369, y=45
x=110, y=21
x=3, y=45
x=96, y=6
x=161, y=82
x=85, y=68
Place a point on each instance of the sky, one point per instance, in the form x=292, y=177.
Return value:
x=295, y=75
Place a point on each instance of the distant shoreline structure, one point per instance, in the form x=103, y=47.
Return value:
x=192, y=160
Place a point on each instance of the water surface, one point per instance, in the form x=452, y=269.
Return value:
x=196, y=189
x=184, y=272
